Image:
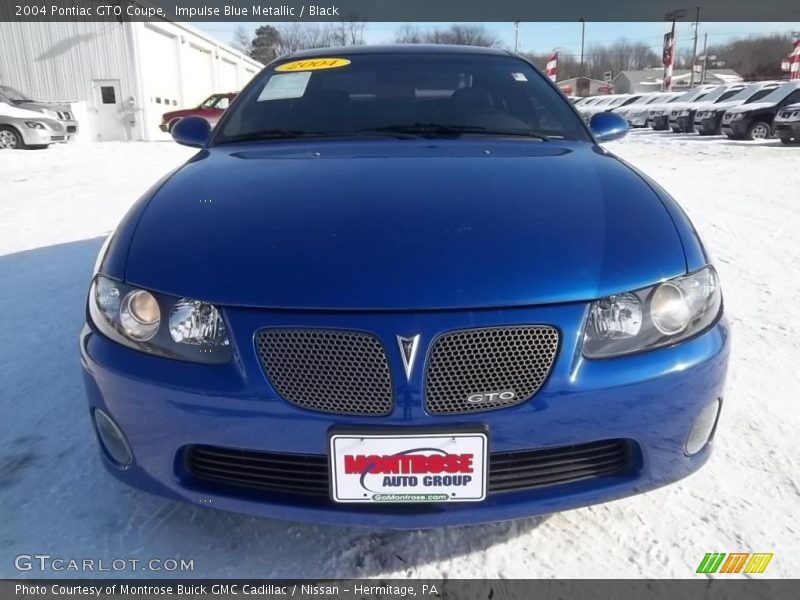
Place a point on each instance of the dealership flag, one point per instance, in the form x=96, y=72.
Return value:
x=552, y=67
x=794, y=61
x=669, y=52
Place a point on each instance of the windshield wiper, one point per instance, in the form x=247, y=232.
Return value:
x=273, y=134
x=428, y=129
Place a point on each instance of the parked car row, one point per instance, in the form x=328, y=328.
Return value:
x=26, y=123
x=741, y=110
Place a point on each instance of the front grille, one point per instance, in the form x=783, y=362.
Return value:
x=56, y=138
x=474, y=369
x=333, y=371
x=307, y=475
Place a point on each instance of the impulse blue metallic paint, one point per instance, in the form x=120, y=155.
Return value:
x=407, y=236
x=426, y=219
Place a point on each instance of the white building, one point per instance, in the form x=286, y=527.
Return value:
x=119, y=77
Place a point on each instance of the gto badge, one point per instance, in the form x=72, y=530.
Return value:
x=488, y=397
x=408, y=352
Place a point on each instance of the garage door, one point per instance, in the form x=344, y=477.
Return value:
x=199, y=75
x=161, y=77
x=227, y=76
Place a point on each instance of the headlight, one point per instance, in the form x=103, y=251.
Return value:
x=195, y=330
x=738, y=116
x=34, y=124
x=653, y=317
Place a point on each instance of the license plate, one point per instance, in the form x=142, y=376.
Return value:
x=406, y=468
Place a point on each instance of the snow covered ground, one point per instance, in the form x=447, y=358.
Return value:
x=55, y=207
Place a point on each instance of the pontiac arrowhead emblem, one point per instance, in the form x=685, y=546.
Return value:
x=408, y=352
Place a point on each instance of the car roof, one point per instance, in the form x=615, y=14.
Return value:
x=396, y=49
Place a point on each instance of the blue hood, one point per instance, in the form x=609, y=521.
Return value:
x=403, y=224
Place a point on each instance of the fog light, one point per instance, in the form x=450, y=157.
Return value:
x=112, y=439
x=703, y=428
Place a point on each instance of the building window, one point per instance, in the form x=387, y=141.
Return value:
x=108, y=94
x=158, y=100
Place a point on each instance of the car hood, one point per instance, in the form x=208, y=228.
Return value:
x=12, y=110
x=719, y=106
x=42, y=106
x=754, y=106
x=683, y=105
x=394, y=225
x=183, y=112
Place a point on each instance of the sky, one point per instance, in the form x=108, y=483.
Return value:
x=546, y=37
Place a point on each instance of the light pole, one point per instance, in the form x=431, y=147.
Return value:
x=705, y=58
x=516, y=37
x=583, y=39
x=694, y=51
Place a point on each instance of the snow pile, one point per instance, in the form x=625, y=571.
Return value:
x=55, y=498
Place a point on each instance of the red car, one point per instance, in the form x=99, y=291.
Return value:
x=210, y=109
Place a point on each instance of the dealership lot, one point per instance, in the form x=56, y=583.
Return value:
x=56, y=206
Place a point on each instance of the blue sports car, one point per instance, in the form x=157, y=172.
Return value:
x=403, y=287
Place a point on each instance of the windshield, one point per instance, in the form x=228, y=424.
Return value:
x=642, y=100
x=760, y=94
x=780, y=93
x=13, y=95
x=695, y=94
x=720, y=92
x=401, y=95
x=210, y=101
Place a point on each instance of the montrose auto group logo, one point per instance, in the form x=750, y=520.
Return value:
x=418, y=474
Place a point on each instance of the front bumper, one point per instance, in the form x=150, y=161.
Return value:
x=659, y=122
x=787, y=130
x=42, y=137
x=637, y=119
x=736, y=129
x=682, y=123
x=708, y=125
x=651, y=399
x=71, y=128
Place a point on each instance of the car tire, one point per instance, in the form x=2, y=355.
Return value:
x=10, y=139
x=759, y=130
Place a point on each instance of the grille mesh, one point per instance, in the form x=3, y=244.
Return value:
x=308, y=475
x=342, y=372
x=488, y=360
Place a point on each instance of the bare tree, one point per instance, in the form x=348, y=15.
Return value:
x=242, y=40
x=408, y=34
x=349, y=33
x=461, y=34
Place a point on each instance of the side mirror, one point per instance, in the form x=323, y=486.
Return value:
x=607, y=126
x=191, y=131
